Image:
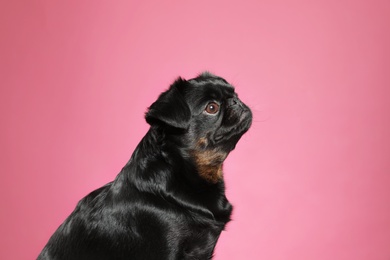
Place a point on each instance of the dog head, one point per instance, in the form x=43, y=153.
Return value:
x=206, y=116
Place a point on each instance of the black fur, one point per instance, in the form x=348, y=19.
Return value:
x=168, y=202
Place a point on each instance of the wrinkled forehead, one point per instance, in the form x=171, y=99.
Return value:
x=209, y=89
x=210, y=79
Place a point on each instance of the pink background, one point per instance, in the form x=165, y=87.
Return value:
x=310, y=180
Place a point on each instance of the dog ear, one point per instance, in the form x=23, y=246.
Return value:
x=170, y=109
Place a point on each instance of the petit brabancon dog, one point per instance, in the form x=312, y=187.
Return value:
x=168, y=202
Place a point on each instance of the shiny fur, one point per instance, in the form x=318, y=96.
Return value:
x=168, y=202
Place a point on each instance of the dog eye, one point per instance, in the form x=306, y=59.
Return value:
x=212, y=108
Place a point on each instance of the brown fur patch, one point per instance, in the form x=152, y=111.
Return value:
x=209, y=164
x=202, y=143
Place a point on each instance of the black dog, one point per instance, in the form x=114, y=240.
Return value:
x=168, y=202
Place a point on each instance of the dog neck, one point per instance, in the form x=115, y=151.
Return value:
x=208, y=161
x=209, y=164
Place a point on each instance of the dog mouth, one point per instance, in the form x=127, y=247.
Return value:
x=234, y=133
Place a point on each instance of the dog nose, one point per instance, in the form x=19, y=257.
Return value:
x=232, y=102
